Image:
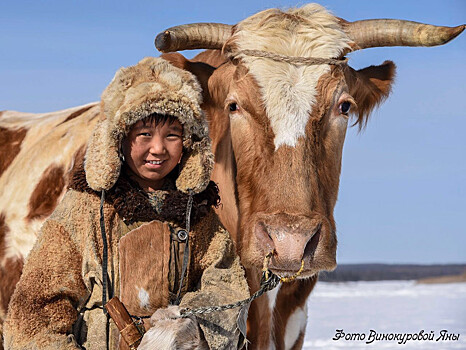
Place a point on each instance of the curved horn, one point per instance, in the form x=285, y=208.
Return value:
x=193, y=36
x=391, y=32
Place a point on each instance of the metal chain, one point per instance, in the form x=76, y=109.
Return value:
x=268, y=282
x=266, y=285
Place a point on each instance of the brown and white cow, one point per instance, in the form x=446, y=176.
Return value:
x=278, y=118
x=278, y=123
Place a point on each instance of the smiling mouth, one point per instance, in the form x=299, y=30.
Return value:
x=154, y=162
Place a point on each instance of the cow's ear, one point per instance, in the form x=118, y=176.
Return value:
x=369, y=87
x=201, y=70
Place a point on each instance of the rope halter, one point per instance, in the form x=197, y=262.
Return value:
x=309, y=61
x=266, y=271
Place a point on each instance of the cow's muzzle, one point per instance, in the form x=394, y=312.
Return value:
x=293, y=239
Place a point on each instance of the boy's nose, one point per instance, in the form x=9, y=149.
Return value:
x=157, y=146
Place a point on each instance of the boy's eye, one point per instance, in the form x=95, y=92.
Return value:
x=144, y=134
x=173, y=135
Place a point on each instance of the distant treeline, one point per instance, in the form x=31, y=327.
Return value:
x=379, y=272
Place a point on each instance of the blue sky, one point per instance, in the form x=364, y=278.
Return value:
x=402, y=191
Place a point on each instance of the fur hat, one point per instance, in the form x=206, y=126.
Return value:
x=151, y=86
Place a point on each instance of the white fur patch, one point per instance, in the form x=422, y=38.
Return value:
x=289, y=91
x=168, y=332
x=157, y=338
x=144, y=298
x=272, y=296
x=295, y=325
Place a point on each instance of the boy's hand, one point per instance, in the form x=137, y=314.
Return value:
x=171, y=333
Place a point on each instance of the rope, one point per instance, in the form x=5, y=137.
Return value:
x=266, y=271
x=104, y=253
x=292, y=278
x=186, y=249
x=292, y=59
x=104, y=269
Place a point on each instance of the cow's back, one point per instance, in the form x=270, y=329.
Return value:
x=38, y=152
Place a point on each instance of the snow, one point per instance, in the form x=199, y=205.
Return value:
x=393, y=308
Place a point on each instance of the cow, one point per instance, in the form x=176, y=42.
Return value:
x=278, y=93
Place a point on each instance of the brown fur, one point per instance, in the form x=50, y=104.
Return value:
x=260, y=185
x=10, y=272
x=136, y=92
x=246, y=189
x=369, y=87
x=132, y=203
x=299, y=342
x=58, y=309
x=51, y=187
x=165, y=332
x=260, y=320
x=308, y=173
x=141, y=252
x=291, y=296
x=76, y=114
x=202, y=70
x=44, y=199
x=72, y=233
x=254, y=177
x=10, y=144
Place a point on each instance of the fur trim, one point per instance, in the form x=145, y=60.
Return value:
x=102, y=160
x=151, y=86
x=132, y=203
x=197, y=167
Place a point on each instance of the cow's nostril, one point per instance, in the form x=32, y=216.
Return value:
x=311, y=245
x=263, y=236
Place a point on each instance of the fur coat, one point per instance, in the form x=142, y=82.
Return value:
x=57, y=303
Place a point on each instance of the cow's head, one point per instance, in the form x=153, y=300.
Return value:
x=281, y=113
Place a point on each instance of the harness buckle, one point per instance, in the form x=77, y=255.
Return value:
x=182, y=235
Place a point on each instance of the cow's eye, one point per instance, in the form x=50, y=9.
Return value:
x=233, y=107
x=345, y=107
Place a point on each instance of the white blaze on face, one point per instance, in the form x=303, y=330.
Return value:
x=143, y=298
x=288, y=90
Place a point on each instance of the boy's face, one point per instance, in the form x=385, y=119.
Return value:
x=152, y=152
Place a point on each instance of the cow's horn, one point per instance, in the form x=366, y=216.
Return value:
x=193, y=36
x=391, y=32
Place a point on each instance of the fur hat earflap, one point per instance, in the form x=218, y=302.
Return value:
x=151, y=86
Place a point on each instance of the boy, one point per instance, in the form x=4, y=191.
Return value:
x=137, y=223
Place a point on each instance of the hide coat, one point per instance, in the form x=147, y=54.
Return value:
x=58, y=301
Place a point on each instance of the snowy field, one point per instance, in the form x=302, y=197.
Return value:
x=393, y=309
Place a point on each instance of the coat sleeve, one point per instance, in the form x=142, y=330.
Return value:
x=223, y=282
x=44, y=305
